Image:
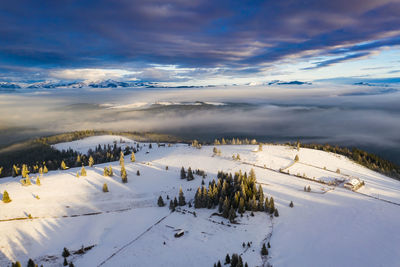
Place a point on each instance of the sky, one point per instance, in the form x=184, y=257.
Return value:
x=200, y=42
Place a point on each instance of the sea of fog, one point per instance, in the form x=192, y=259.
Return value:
x=349, y=115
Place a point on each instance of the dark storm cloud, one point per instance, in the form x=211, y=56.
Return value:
x=232, y=34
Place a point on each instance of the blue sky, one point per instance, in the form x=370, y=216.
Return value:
x=200, y=42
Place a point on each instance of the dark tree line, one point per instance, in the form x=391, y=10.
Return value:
x=44, y=156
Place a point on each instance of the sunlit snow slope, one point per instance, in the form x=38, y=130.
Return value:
x=329, y=226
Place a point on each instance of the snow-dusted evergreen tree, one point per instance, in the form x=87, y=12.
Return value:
x=24, y=171
x=133, y=159
x=190, y=174
x=264, y=250
x=105, y=188
x=183, y=173
x=83, y=171
x=138, y=173
x=110, y=171
x=291, y=204
x=182, y=201
x=63, y=166
x=6, y=197
x=160, y=202
x=296, y=158
x=45, y=170
x=227, y=259
x=91, y=161
x=105, y=171
x=37, y=181
x=124, y=175
x=121, y=159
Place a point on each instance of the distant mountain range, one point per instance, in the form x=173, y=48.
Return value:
x=56, y=84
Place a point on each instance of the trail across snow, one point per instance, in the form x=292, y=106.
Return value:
x=338, y=228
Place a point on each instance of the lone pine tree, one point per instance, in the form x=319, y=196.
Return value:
x=105, y=188
x=133, y=157
x=6, y=197
x=182, y=201
x=83, y=171
x=160, y=202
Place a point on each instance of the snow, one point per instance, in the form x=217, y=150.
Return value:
x=329, y=226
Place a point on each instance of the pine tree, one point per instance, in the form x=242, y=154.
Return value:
x=6, y=197
x=78, y=159
x=91, y=161
x=38, y=181
x=65, y=253
x=269, y=245
x=190, y=174
x=31, y=263
x=182, y=201
x=227, y=259
x=232, y=215
x=171, y=205
x=24, y=171
x=276, y=213
x=138, y=173
x=160, y=202
x=241, y=208
x=45, y=170
x=183, y=173
x=223, y=142
x=121, y=159
x=63, y=166
x=105, y=171
x=271, y=205
x=296, y=159
x=260, y=147
x=234, y=260
x=291, y=204
x=110, y=171
x=133, y=159
x=175, y=202
x=41, y=171
x=226, y=208
x=83, y=171
x=266, y=205
x=105, y=188
x=16, y=264
x=264, y=250
x=219, y=264
x=124, y=175
x=309, y=189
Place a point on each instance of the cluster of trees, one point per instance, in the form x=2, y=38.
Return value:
x=236, y=157
x=181, y=201
x=235, y=261
x=232, y=194
x=31, y=263
x=217, y=151
x=234, y=141
x=196, y=144
x=307, y=188
x=264, y=249
x=66, y=254
x=51, y=159
x=188, y=175
x=364, y=158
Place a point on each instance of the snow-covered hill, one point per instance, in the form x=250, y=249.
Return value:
x=329, y=226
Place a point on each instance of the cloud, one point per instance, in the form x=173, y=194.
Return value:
x=91, y=74
x=240, y=36
x=338, y=60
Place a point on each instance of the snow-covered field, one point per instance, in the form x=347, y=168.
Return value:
x=329, y=226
